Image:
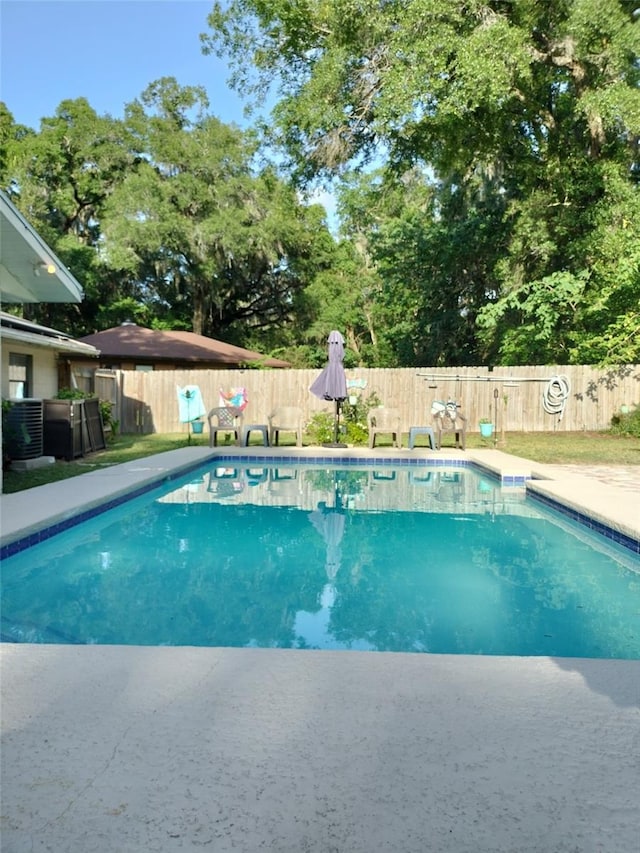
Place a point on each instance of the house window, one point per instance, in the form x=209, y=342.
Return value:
x=144, y=368
x=20, y=375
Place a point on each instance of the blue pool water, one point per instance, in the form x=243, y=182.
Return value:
x=420, y=559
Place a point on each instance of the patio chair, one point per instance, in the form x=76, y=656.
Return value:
x=227, y=419
x=285, y=419
x=450, y=419
x=383, y=420
x=225, y=482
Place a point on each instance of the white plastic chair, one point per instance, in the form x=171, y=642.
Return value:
x=285, y=419
x=224, y=419
x=383, y=420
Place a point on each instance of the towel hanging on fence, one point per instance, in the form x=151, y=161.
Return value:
x=235, y=398
x=190, y=404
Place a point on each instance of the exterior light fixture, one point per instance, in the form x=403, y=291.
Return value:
x=44, y=267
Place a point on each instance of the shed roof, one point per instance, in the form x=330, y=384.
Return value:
x=135, y=342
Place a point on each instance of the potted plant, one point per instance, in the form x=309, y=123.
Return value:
x=486, y=427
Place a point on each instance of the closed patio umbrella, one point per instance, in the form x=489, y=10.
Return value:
x=330, y=525
x=331, y=384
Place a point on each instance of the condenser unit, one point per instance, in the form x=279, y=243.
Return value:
x=22, y=429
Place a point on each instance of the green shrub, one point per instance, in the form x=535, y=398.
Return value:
x=321, y=428
x=340, y=484
x=355, y=417
x=106, y=407
x=73, y=394
x=353, y=422
x=626, y=423
x=106, y=411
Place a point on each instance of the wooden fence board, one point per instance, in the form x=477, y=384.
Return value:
x=147, y=401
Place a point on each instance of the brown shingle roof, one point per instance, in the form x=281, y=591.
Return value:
x=136, y=342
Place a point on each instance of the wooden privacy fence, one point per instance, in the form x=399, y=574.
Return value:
x=512, y=397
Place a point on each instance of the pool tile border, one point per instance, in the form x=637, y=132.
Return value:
x=629, y=542
x=44, y=533
x=64, y=524
x=506, y=480
x=350, y=461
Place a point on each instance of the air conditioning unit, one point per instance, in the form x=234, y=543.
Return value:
x=22, y=429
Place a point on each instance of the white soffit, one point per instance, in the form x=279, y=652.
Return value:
x=24, y=257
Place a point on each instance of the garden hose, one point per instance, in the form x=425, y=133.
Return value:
x=555, y=395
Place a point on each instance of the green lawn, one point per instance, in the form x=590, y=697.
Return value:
x=584, y=448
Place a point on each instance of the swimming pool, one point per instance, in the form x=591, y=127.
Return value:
x=416, y=559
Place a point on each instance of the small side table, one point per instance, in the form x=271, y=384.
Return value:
x=422, y=430
x=249, y=428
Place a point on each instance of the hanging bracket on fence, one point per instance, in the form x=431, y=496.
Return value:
x=457, y=377
x=554, y=396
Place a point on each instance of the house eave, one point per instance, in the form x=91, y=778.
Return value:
x=24, y=259
x=30, y=334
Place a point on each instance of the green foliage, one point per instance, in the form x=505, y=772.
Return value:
x=355, y=416
x=353, y=422
x=165, y=220
x=60, y=179
x=435, y=256
x=106, y=407
x=320, y=428
x=73, y=394
x=538, y=319
x=627, y=423
x=227, y=249
x=356, y=433
x=524, y=118
x=500, y=226
x=110, y=424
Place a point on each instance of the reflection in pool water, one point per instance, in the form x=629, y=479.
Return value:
x=411, y=559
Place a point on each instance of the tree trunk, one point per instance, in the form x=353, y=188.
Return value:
x=198, y=313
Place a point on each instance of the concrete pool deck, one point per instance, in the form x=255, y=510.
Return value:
x=111, y=748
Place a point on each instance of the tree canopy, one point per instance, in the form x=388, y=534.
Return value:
x=526, y=116
x=165, y=218
x=485, y=157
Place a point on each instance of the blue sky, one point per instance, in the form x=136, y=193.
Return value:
x=106, y=51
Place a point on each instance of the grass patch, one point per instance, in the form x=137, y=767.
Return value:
x=584, y=448
x=123, y=448
x=568, y=448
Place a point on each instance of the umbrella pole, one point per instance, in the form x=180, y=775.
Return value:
x=336, y=429
x=337, y=500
